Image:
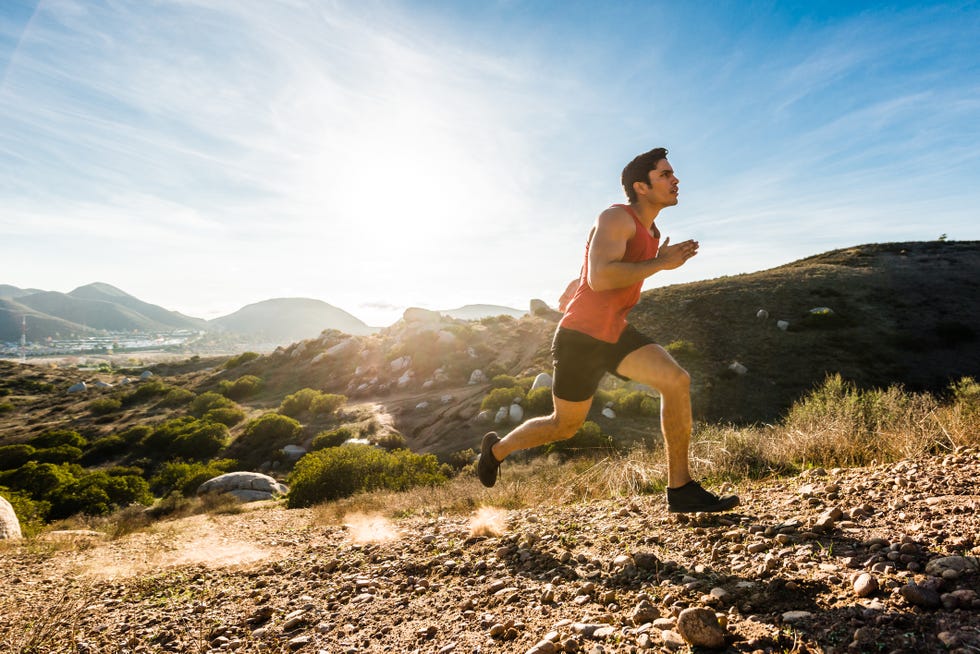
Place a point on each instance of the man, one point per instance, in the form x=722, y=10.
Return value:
x=593, y=337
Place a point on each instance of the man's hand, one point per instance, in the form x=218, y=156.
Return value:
x=674, y=256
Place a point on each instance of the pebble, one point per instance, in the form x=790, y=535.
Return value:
x=865, y=585
x=699, y=627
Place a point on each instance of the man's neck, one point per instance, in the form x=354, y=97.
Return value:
x=646, y=212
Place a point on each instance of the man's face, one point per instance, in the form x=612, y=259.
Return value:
x=662, y=190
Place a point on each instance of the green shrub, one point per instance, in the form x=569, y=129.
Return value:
x=503, y=381
x=58, y=437
x=241, y=359
x=539, y=402
x=14, y=456
x=265, y=436
x=177, y=397
x=636, y=403
x=201, y=442
x=58, y=454
x=104, y=449
x=6, y=407
x=499, y=397
x=295, y=404
x=326, y=403
x=333, y=438
x=243, y=387
x=39, y=480
x=98, y=493
x=588, y=439
x=682, y=350
x=136, y=434
x=104, y=405
x=185, y=477
x=208, y=401
x=390, y=440
x=229, y=416
x=30, y=513
x=145, y=391
x=338, y=472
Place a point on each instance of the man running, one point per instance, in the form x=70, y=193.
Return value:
x=593, y=337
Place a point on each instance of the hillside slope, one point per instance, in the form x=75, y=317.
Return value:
x=287, y=320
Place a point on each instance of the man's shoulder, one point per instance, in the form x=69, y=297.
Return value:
x=616, y=218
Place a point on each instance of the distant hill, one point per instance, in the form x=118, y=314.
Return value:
x=160, y=316
x=8, y=292
x=478, y=311
x=286, y=320
x=40, y=325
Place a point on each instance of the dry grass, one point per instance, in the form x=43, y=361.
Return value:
x=48, y=626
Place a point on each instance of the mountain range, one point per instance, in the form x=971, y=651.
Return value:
x=99, y=308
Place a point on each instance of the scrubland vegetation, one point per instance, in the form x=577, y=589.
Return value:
x=836, y=425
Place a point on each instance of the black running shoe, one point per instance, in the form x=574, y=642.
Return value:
x=487, y=465
x=692, y=498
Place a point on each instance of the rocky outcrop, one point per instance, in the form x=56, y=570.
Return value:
x=246, y=486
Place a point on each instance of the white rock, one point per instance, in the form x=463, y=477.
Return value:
x=502, y=414
x=484, y=416
x=400, y=363
x=608, y=413
x=427, y=384
x=340, y=348
x=792, y=617
x=782, y=324
x=446, y=399
x=516, y=413
x=243, y=481
x=102, y=384
x=543, y=380
x=422, y=406
x=762, y=314
x=77, y=388
x=477, y=377
x=738, y=368
x=405, y=378
x=9, y=524
x=146, y=374
x=293, y=452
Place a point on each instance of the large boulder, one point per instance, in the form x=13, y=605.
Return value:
x=543, y=380
x=540, y=309
x=422, y=316
x=77, y=387
x=246, y=486
x=9, y=524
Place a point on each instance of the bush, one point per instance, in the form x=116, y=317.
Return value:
x=332, y=438
x=338, y=472
x=146, y=391
x=30, y=513
x=98, y=493
x=636, y=403
x=242, y=387
x=228, y=416
x=202, y=441
x=58, y=437
x=390, y=440
x=104, y=449
x=177, y=397
x=539, y=402
x=39, y=480
x=265, y=436
x=295, y=404
x=588, y=439
x=241, y=359
x=503, y=381
x=682, y=350
x=14, y=456
x=208, y=401
x=185, y=477
x=58, y=454
x=104, y=405
x=136, y=434
x=499, y=397
x=326, y=403
x=6, y=407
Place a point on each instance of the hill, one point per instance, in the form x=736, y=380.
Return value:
x=160, y=316
x=287, y=320
x=479, y=311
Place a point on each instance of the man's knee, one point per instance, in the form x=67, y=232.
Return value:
x=565, y=428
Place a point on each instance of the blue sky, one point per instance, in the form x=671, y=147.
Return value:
x=206, y=154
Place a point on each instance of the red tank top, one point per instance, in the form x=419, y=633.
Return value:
x=602, y=314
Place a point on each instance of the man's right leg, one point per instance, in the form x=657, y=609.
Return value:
x=560, y=425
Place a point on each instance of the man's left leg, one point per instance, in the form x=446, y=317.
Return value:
x=652, y=365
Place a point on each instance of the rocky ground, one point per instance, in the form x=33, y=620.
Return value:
x=877, y=559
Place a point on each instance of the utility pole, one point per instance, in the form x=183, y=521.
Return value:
x=23, y=339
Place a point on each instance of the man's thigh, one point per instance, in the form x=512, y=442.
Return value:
x=651, y=365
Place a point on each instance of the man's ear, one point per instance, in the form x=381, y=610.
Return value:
x=638, y=190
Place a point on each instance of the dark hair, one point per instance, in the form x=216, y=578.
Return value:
x=639, y=169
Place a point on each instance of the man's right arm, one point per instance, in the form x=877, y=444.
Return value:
x=607, y=270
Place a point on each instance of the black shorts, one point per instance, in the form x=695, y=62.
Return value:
x=581, y=360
